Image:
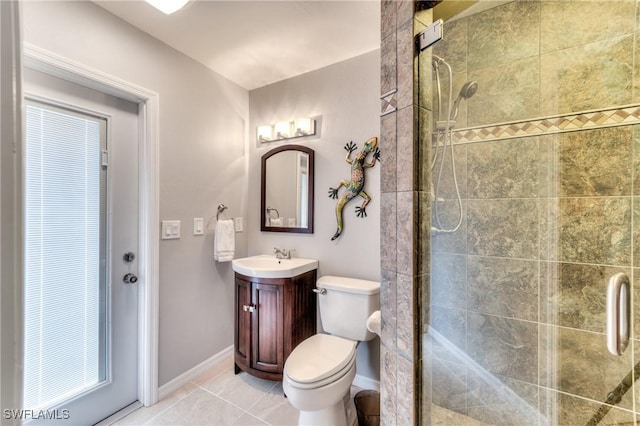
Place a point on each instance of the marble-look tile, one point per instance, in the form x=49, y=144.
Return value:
x=453, y=47
x=424, y=281
x=563, y=409
x=572, y=294
x=451, y=324
x=388, y=146
x=423, y=230
x=506, y=92
x=502, y=228
x=595, y=162
x=405, y=316
x=388, y=385
x=388, y=303
x=444, y=417
x=388, y=231
x=587, y=77
x=503, y=169
x=594, y=230
x=406, y=229
x=424, y=150
x=549, y=159
x=242, y=390
x=444, y=186
x=504, y=34
x=387, y=18
x=405, y=11
x=199, y=408
x=449, y=385
x=407, y=156
x=215, y=371
x=388, y=64
x=500, y=400
x=578, y=363
x=504, y=346
x=503, y=287
x=565, y=24
x=405, y=68
x=636, y=159
x=636, y=310
x=448, y=211
x=406, y=392
x=449, y=280
x=422, y=77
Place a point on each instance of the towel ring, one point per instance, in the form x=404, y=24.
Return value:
x=221, y=208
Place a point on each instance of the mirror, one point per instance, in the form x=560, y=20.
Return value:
x=287, y=190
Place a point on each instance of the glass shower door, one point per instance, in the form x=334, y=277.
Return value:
x=546, y=153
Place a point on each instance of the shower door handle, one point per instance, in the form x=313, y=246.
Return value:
x=618, y=313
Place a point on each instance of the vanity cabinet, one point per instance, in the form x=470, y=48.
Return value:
x=272, y=316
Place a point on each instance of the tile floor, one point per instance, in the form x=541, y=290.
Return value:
x=219, y=397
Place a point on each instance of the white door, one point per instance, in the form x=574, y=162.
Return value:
x=81, y=240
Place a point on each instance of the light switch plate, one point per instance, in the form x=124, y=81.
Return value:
x=170, y=229
x=238, y=224
x=198, y=226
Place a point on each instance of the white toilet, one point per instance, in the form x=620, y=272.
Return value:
x=319, y=371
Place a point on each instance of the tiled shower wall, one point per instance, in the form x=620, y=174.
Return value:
x=551, y=203
x=404, y=185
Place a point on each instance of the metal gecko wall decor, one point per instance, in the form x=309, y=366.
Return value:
x=354, y=187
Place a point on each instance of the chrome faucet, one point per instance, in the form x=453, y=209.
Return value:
x=282, y=254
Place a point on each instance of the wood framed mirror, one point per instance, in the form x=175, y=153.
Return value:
x=286, y=193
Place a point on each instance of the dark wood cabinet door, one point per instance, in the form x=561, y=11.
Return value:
x=268, y=329
x=243, y=323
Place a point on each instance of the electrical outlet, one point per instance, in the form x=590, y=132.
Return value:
x=238, y=224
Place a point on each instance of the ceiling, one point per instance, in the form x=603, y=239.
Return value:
x=256, y=43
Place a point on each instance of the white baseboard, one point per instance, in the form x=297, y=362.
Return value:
x=176, y=383
x=225, y=355
x=364, y=382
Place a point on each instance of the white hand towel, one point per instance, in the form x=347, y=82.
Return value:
x=276, y=221
x=224, y=243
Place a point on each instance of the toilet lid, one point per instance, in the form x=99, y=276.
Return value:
x=319, y=357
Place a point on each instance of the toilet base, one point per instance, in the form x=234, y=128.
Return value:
x=342, y=413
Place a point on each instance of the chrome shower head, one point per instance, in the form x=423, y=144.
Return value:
x=466, y=91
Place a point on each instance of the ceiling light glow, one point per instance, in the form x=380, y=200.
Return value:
x=167, y=6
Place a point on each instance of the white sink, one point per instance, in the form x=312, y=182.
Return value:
x=267, y=266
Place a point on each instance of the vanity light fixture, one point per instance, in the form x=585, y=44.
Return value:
x=283, y=129
x=265, y=133
x=167, y=6
x=287, y=130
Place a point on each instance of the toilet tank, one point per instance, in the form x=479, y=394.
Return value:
x=345, y=304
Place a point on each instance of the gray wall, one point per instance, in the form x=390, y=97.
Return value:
x=344, y=99
x=206, y=158
x=202, y=163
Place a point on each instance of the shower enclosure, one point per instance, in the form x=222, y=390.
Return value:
x=545, y=133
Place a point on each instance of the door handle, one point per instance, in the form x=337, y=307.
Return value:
x=618, y=313
x=130, y=278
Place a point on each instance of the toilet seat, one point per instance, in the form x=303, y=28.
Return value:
x=318, y=360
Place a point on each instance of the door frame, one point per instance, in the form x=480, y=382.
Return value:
x=148, y=200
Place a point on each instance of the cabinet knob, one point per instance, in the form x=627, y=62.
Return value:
x=248, y=308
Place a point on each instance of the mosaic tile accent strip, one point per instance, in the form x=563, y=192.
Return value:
x=620, y=116
x=389, y=102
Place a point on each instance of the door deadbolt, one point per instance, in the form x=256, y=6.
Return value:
x=128, y=257
x=130, y=278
